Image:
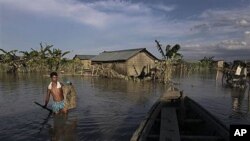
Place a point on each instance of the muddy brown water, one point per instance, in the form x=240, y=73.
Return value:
x=106, y=109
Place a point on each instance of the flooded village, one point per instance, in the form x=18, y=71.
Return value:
x=120, y=70
x=140, y=66
x=130, y=64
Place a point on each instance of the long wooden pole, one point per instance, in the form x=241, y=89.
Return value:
x=43, y=106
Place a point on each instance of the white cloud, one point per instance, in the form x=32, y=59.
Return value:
x=224, y=21
x=119, y=6
x=223, y=29
x=243, y=22
x=62, y=8
x=164, y=7
x=123, y=19
x=124, y=16
x=233, y=45
x=247, y=32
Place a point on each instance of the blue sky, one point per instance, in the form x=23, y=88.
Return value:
x=219, y=28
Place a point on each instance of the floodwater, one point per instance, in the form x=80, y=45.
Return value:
x=106, y=109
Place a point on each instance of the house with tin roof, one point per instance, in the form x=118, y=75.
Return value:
x=130, y=62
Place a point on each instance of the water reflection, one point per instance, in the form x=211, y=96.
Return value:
x=137, y=92
x=240, y=103
x=219, y=76
x=237, y=96
x=63, y=129
x=45, y=121
x=239, y=107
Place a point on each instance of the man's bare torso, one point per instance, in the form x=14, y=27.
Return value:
x=57, y=93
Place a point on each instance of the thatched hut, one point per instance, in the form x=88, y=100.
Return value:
x=85, y=60
x=129, y=62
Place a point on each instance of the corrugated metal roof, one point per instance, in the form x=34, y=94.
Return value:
x=84, y=57
x=120, y=55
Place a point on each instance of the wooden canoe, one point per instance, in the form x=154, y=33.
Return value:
x=180, y=119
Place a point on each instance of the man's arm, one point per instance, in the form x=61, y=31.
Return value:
x=47, y=98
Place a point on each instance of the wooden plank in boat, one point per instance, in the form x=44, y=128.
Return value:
x=209, y=118
x=169, y=130
x=145, y=126
x=171, y=95
x=150, y=122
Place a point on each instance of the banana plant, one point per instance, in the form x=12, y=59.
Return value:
x=56, y=58
x=11, y=59
x=170, y=52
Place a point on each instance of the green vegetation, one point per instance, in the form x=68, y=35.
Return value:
x=207, y=62
x=45, y=59
x=10, y=60
x=173, y=63
x=171, y=58
x=171, y=53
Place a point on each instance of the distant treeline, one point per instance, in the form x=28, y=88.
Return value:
x=44, y=59
x=47, y=59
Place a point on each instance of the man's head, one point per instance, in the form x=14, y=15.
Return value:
x=53, y=76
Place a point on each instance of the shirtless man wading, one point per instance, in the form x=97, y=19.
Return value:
x=55, y=89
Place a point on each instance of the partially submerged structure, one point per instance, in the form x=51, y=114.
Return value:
x=236, y=74
x=85, y=60
x=131, y=62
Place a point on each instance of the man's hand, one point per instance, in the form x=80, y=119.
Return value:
x=45, y=105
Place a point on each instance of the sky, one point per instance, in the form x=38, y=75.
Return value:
x=219, y=28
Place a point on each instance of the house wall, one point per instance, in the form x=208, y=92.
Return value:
x=119, y=67
x=86, y=64
x=127, y=68
x=139, y=61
